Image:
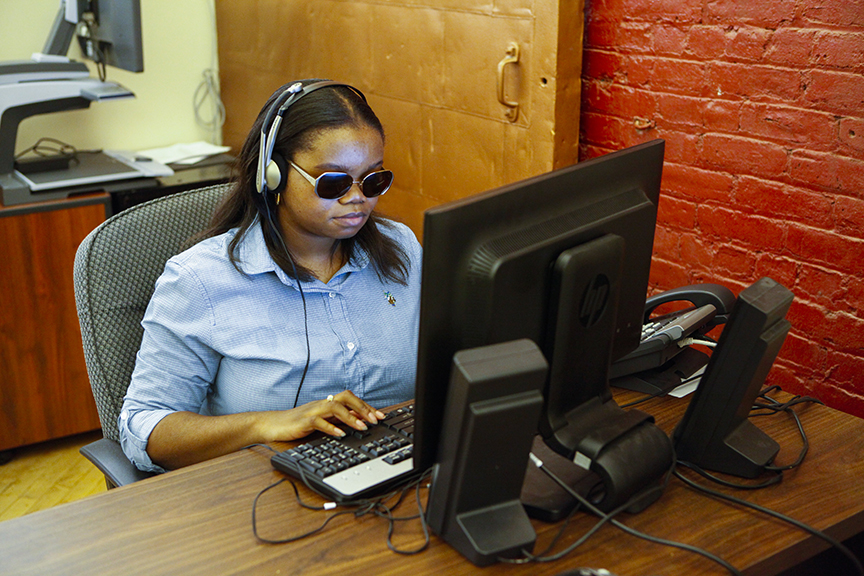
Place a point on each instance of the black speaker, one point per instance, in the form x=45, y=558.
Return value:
x=493, y=405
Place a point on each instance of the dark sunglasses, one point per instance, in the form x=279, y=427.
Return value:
x=334, y=185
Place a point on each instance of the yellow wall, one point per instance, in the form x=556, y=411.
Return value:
x=179, y=44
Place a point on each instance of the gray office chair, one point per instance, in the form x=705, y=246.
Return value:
x=115, y=271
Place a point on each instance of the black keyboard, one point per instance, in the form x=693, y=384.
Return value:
x=363, y=464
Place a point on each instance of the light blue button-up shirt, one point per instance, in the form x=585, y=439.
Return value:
x=220, y=342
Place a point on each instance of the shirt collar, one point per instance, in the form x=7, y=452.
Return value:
x=254, y=258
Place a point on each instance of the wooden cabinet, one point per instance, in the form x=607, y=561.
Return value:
x=444, y=77
x=44, y=388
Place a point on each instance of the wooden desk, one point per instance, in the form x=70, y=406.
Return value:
x=198, y=521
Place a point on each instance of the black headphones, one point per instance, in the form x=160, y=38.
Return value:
x=272, y=168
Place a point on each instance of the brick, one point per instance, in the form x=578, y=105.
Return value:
x=743, y=155
x=613, y=10
x=680, y=146
x=830, y=249
x=588, y=151
x=790, y=47
x=834, y=12
x=845, y=396
x=783, y=270
x=804, y=352
x=666, y=244
x=814, y=168
x=602, y=130
x=830, y=171
x=838, y=92
x=680, y=111
x=602, y=65
x=851, y=136
x=665, y=273
x=778, y=200
x=706, y=42
x=635, y=36
x=753, y=82
x=735, y=262
x=820, y=285
x=854, y=298
x=663, y=10
x=847, y=333
x=746, y=43
x=848, y=373
x=721, y=115
x=677, y=213
x=600, y=33
x=850, y=173
x=795, y=126
x=638, y=70
x=695, y=183
x=669, y=39
x=730, y=226
x=617, y=99
x=767, y=14
x=839, y=50
x=696, y=251
x=849, y=216
x=680, y=76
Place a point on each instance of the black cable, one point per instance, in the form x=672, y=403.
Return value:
x=292, y=538
x=275, y=228
x=588, y=505
x=809, y=529
x=776, y=479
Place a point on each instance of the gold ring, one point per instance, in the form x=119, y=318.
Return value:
x=330, y=398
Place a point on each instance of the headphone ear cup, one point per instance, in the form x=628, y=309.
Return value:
x=276, y=174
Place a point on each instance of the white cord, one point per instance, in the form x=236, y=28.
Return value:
x=690, y=341
x=209, y=89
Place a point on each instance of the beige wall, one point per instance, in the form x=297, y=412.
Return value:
x=179, y=44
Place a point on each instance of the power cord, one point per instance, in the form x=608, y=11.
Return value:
x=809, y=529
x=632, y=531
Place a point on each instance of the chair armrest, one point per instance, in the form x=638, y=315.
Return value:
x=109, y=458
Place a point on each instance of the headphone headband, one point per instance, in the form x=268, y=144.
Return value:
x=268, y=171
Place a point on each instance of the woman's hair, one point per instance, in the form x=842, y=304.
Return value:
x=329, y=107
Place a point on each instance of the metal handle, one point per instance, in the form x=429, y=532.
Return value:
x=511, y=57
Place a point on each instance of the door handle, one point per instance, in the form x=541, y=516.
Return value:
x=510, y=57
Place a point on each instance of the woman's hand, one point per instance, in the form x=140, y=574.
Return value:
x=184, y=438
x=323, y=415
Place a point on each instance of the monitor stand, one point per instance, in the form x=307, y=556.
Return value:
x=542, y=498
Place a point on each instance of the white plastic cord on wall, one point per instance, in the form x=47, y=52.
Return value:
x=208, y=91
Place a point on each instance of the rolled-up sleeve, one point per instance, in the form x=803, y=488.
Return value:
x=176, y=363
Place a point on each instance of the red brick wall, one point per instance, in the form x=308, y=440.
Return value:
x=761, y=105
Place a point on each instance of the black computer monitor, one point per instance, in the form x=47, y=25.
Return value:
x=108, y=31
x=561, y=259
x=114, y=38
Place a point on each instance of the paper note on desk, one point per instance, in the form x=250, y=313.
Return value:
x=184, y=153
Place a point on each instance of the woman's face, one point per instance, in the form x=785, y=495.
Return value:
x=355, y=150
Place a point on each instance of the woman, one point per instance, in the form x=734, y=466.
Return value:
x=299, y=310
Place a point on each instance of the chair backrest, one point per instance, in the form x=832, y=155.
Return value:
x=115, y=271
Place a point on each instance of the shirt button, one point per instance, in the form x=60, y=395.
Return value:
x=332, y=294
x=350, y=346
